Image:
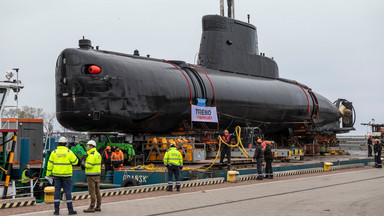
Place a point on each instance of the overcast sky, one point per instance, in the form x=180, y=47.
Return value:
x=336, y=47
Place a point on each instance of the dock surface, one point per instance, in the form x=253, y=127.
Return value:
x=347, y=193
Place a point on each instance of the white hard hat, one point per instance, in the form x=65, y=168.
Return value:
x=91, y=142
x=63, y=140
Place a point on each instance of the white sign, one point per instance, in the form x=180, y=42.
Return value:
x=204, y=114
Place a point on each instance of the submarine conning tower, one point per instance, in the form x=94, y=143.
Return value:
x=230, y=45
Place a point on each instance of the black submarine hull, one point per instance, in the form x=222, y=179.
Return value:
x=98, y=90
x=136, y=95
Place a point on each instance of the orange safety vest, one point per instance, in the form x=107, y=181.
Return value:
x=117, y=156
x=226, y=139
x=264, y=145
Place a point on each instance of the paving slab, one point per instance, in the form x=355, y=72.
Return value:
x=349, y=193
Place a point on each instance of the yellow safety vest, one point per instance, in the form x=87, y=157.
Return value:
x=60, y=162
x=93, y=163
x=25, y=178
x=173, y=157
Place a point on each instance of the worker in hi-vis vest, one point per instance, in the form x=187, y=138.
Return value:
x=173, y=160
x=60, y=167
x=93, y=172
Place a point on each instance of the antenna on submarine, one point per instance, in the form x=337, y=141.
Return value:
x=231, y=8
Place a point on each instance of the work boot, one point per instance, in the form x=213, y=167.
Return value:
x=169, y=188
x=89, y=210
x=97, y=209
x=72, y=213
x=270, y=176
x=56, y=213
x=259, y=177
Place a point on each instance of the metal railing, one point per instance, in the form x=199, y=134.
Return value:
x=12, y=190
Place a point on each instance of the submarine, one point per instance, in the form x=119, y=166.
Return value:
x=100, y=90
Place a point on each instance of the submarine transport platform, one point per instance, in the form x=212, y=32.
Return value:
x=157, y=174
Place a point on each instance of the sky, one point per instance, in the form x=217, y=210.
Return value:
x=335, y=47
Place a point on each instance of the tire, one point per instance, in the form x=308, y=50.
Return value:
x=129, y=182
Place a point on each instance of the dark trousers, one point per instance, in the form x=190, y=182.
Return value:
x=268, y=166
x=378, y=158
x=225, y=151
x=260, y=166
x=369, y=150
x=27, y=190
x=65, y=183
x=94, y=191
x=173, y=170
x=108, y=166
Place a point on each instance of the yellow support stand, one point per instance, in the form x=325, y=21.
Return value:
x=327, y=166
x=231, y=176
x=49, y=192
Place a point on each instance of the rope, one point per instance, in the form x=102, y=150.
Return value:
x=213, y=90
x=309, y=108
x=150, y=167
x=316, y=104
x=189, y=85
x=239, y=144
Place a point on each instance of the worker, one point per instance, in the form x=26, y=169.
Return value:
x=370, y=145
x=60, y=165
x=117, y=159
x=173, y=160
x=93, y=172
x=226, y=150
x=264, y=145
x=268, y=157
x=107, y=154
x=377, y=150
x=25, y=178
x=130, y=151
x=259, y=156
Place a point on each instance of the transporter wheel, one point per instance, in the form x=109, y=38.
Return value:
x=129, y=182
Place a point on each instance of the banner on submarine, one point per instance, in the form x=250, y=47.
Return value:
x=204, y=114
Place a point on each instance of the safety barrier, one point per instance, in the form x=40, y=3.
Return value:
x=146, y=188
x=17, y=202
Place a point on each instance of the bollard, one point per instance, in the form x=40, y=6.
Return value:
x=48, y=194
x=231, y=176
x=327, y=166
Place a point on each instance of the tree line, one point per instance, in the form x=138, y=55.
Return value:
x=27, y=112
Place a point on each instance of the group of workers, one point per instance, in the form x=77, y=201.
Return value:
x=113, y=160
x=60, y=165
x=263, y=152
x=62, y=159
x=377, y=147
